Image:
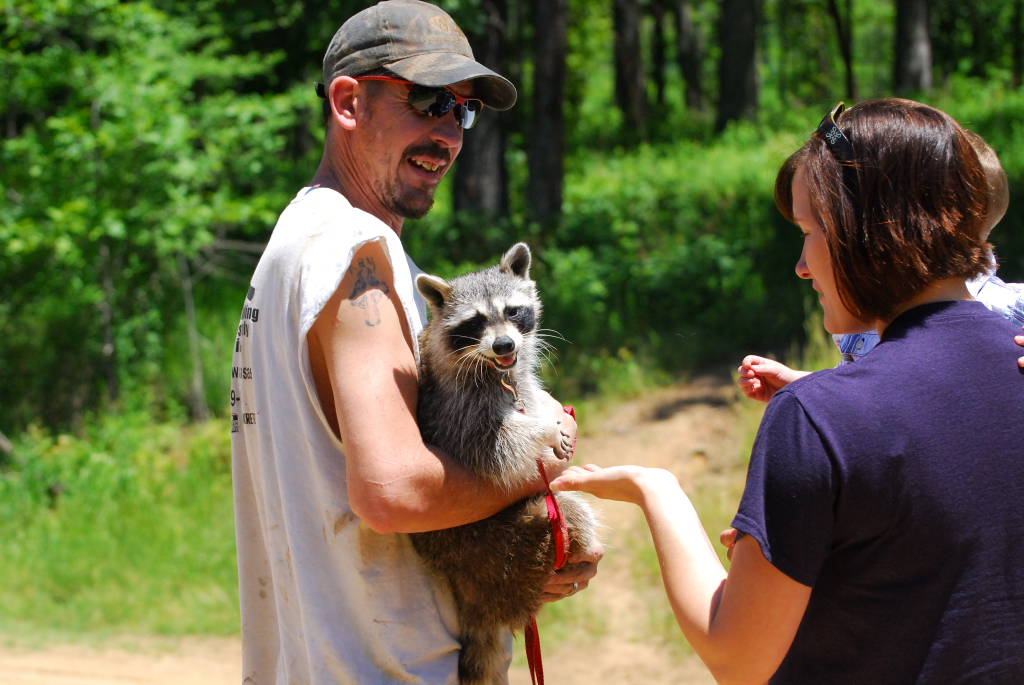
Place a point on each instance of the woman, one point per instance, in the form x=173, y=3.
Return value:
x=880, y=527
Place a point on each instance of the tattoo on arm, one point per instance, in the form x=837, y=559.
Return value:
x=368, y=289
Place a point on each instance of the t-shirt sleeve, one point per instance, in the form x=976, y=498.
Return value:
x=787, y=504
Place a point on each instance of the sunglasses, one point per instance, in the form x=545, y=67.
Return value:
x=433, y=101
x=839, y=145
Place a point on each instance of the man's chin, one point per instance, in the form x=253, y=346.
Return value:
x=411, y=205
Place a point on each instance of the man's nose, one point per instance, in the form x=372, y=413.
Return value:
x=447, y=133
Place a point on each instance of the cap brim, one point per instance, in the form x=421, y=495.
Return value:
x=446, y=68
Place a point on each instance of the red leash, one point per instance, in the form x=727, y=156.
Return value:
x=560, y=533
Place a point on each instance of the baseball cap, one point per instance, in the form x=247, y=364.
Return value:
x=415, y=41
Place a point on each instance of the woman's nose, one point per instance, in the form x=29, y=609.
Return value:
x=801, y=267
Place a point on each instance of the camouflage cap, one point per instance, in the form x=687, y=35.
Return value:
x=416, y=41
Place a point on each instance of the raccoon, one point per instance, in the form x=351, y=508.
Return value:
x=479, y=400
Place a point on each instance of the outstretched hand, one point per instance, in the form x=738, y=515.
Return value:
x=622, y=483
x=760, y=378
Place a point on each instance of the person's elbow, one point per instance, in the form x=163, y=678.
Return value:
x=384, y=508
x=736, y=674
x=739, y=663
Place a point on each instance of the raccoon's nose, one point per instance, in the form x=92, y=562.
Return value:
x=503, y=345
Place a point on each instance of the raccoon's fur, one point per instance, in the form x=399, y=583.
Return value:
x=484, y=325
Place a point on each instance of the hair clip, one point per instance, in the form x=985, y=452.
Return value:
x=839, y=145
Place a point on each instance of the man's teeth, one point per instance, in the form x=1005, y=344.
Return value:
x=426, y=165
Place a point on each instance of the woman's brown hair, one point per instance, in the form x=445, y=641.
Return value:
x=915, y=215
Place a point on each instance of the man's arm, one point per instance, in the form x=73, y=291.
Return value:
x=396, y=483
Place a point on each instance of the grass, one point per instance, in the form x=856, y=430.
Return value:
x=126, y=529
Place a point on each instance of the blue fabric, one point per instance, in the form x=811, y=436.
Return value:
x=1005, y=299
x=894, y=487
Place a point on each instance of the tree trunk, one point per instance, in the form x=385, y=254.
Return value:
x=481, y=179
x=544, y=188
x=1017, y=36
x=913, y=66
x=844, y=33
x=690, y=54
x=200, y=410
x=658, y=50
x=630, y=81
x=737, y=65
x=5, y=445
x=108, y=364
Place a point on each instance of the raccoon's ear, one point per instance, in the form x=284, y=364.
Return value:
x=433, y=289
x=517, y=260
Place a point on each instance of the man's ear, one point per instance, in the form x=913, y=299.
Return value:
x=434, y=290
x=517, y=261
x=347, y=101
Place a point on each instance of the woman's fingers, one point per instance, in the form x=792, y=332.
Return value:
x=728, y=540
x=570, y=477
x=617, y=482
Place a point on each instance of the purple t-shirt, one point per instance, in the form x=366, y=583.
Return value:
x=894, y=487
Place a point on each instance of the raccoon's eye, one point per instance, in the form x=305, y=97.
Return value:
x=512, y=312
x=467, y=333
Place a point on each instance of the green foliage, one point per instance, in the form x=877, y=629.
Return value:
x=974, y=38
x=128, y=528
x=131, y=148
x=675, y=252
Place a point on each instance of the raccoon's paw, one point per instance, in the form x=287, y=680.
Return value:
x=565, y=445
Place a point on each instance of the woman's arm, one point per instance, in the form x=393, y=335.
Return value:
x=740, y=623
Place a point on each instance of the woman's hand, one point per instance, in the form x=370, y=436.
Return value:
x=622, y=483
x=728, y=539
x=1020, y=341
x=760, y=378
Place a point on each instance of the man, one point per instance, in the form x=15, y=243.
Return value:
x=330, y=470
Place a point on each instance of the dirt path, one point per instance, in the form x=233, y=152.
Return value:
x=624, y=632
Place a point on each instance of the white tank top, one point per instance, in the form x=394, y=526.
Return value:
x=324, y=599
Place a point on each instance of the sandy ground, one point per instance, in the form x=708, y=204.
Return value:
x=690, y=430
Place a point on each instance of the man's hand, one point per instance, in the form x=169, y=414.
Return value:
x=760, y=378
x=574, y=576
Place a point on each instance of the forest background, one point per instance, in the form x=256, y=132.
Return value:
x=146, y=149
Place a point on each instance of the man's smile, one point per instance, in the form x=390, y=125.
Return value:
x=426, y=164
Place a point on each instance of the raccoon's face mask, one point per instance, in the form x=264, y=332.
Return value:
x=489, y=314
